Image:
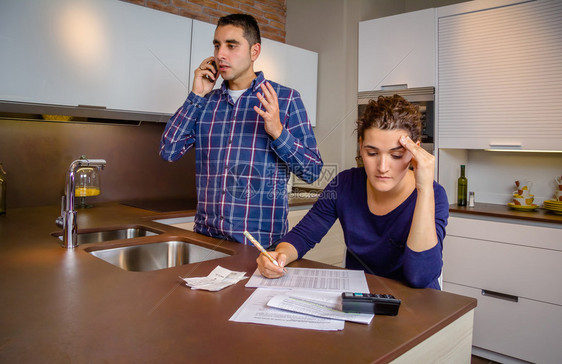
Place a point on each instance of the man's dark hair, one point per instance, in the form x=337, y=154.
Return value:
x=248, y=24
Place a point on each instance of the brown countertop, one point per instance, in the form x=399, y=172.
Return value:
x=504, y=211
x=61, y=305
x=181, y=205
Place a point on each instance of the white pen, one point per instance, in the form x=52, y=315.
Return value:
x=261, y=249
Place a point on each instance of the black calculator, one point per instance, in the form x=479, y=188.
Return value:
x=379, y=304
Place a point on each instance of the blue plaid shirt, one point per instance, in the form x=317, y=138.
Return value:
x=241, y=173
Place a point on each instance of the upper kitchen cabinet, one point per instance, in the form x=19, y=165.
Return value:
x=500, y=75
x=397, y=50
x=282, y=63
x=103, y=53
x=292, y=67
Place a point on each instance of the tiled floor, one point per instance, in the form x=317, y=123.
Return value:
x=478, y=360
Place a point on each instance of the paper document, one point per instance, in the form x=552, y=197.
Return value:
x=255, y=310
x=218, y=279
x=315, y=305
x=341, y=280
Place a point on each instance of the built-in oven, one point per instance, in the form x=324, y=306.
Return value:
x=424, y=97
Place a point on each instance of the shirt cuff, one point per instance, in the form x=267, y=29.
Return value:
x=193, y=99
x=283, y=144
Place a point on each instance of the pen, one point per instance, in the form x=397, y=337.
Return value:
x=261, y=249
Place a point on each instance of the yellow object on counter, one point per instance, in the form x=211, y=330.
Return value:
x=86, y=191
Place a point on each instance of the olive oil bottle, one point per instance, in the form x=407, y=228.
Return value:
x=462, y=187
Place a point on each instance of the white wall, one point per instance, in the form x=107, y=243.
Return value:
x=327, y=27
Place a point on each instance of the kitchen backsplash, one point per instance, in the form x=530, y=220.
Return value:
x=492, y=175
x=37, y=155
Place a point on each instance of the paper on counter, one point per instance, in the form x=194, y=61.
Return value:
x=218, y=279
x=255, y=310
x=327, y=305
x=340, y=280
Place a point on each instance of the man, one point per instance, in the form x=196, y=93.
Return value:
x=248, y=136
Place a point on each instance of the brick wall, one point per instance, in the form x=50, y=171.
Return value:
x=270, y=14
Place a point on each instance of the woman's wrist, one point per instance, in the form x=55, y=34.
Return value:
x=425, y=191
x=288, y=250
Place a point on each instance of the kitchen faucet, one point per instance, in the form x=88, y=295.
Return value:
x=67, y=220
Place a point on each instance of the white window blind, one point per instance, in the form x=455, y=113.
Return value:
x=500, y=74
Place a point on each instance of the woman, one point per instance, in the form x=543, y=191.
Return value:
x=393, y=217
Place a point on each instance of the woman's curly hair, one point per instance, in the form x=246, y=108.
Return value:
x=389, y=113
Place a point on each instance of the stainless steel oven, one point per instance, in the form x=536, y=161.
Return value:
x=422, y=96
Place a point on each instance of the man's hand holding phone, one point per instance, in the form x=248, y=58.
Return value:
x=205, y=77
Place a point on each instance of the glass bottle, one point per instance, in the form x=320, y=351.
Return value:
x=87, y=184
x=3, y=188
x=462, y=185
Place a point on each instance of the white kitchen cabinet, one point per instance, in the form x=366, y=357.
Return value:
x=300, y=68
x=331, y=250
x=398, y=49
x=104, y=53
x=282, y=63
x=500, y=75
x=514, y=271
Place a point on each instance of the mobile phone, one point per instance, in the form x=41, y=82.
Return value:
x=214, y=73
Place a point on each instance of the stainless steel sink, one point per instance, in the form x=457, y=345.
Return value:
x=107, y=235
x=154, y=256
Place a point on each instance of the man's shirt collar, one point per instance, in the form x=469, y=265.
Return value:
x=255, y=86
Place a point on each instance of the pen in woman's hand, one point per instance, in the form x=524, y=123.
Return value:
x=261, y=249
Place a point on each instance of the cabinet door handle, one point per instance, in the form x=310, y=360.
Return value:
x=398, y=86
x=93, y=106
x=505, y=146
x=498, y=295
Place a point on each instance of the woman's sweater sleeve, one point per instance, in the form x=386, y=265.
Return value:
x=422, y=269
x=316, y=223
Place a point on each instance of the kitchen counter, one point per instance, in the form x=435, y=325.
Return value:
x=504, y=211
x=61, y=305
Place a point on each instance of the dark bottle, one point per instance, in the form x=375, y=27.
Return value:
x=2, y=191
x=462, y=188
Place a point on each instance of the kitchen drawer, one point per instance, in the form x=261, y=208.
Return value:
x=527, y=329
x=512, y=269
x=535, y=236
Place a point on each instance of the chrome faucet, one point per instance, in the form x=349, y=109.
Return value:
x=67, y=220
